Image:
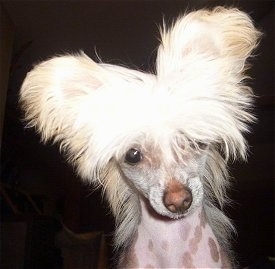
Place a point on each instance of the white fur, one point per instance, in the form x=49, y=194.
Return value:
x=97, y=112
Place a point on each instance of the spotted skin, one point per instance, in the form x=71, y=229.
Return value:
x=184, y=243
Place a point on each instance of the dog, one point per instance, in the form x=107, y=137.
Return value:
x=157, y=143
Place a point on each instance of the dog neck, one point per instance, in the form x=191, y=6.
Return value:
x=160, y=242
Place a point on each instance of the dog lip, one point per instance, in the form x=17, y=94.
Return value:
x=161, y=212
x=163, y=215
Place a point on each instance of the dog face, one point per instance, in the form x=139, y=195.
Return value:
x=152, y=126
x=169, y=179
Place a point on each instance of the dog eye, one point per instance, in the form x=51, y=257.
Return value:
x=198, y=145
x=133, y=156
x=202, y=146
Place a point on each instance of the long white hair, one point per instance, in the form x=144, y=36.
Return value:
x=197, y=94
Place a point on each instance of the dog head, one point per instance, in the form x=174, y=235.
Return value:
x=159, y=135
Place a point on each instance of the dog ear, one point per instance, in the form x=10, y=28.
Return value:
x=63, y=98
x=54, y=92
x=80, y=104
x=224, y=34
x=201, y=60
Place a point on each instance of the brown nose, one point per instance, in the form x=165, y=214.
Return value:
x=177, y=197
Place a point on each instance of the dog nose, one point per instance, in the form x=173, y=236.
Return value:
x=177, y=197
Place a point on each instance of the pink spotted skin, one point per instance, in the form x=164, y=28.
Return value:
x=160, y=242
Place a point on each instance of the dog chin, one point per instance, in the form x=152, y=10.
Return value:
x=162, y=212
x=157, y=209
x=175, y=215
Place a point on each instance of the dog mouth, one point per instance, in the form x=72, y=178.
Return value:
x=172, y=204
x=176, y=200
x=159, y=211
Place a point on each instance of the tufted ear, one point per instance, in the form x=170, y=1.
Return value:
x=200, y=36
x=201, y=61
x=79, y=103
x=54, y=92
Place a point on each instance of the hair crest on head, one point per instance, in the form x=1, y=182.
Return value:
x=188, y=117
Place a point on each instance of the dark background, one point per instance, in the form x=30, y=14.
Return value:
x=125, y=33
